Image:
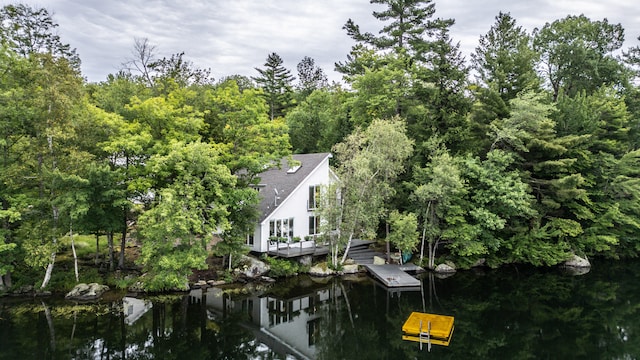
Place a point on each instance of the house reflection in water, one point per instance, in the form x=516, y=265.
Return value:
x=288, y=326
x=134, y=308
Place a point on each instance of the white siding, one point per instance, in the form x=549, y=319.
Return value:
x=294, y=206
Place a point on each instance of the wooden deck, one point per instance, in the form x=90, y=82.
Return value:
x=392, y=276
x=294, y=251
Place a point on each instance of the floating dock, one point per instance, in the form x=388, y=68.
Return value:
x=428, y=328
x=393, y=276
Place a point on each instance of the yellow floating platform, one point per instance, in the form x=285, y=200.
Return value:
x=422, y=326
x=424, y=340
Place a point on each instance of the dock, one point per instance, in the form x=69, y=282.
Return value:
x=393, y=276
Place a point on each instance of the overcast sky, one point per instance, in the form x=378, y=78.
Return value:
x=235, y=36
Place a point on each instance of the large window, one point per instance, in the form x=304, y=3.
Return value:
x=314, y=225
x=281, y=228
x=314, y=197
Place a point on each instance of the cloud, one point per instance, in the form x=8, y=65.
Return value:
x=234, y=36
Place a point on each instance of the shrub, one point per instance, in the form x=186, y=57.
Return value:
x=282, y=267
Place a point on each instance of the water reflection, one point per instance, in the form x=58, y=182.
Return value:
x=288, y=325
x=512, y=313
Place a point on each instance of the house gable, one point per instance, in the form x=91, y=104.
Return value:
x=284, y=193
x=277, y=185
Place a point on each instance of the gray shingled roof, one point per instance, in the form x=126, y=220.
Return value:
x=275, y=178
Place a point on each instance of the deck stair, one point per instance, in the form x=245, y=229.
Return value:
x=362, y=253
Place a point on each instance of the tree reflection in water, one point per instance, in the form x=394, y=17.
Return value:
x=506, y=313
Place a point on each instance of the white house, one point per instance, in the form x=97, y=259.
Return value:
x=289, y=196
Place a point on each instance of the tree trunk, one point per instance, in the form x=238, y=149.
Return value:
x=75, y=255
x=52, y=332
x=49, y=271
x=110, y=245
x=97, y=249
x=386, y=226
x=424, y=235
x=346, y=249
x=431, y=255
x=123, y=244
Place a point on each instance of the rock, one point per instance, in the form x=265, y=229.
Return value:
x=321, y=270
x=481, y=262
x=350, y=269
x=252, y=268
x=86, y=291
x=216, y=282
x=444, y=269
x=23, y=290
x=306, y=260
x=199, y=284
x=577, y=262
x=377, y=260
x=444, y=275
x=575, y=271
x=267, y=279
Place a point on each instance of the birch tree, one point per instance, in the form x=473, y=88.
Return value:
x=368, y=162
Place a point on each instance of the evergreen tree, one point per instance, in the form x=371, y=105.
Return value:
x=504, y=59
x=441, y=88
x=407, y=30
x=276, y=83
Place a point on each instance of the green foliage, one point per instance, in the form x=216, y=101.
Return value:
x=502, y=169
x=318, y=122
x=282, y=267
x=237, y=122
x=578, y=54
x=190, y=206
x=276, y=83
x=404, y=231
x=310, y=77
x=368, y=162
x=6, y=256
x=505, y=60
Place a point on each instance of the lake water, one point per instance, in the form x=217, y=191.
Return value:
x=511, y=313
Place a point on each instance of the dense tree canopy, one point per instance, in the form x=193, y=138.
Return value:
x=527, y=153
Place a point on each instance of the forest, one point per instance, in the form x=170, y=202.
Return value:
x=528, y=152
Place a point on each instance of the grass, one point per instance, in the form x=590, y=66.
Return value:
x=85, y=246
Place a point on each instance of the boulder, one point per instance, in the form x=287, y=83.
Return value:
x=86, y=291
x=350, y=269
x=306, y=260
x=444, y=269
x=480, y=263
x=321, y=270
x=199, y=284
x=577, y=262
x=252, y=268
x=215, y=282
x=377, y=260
